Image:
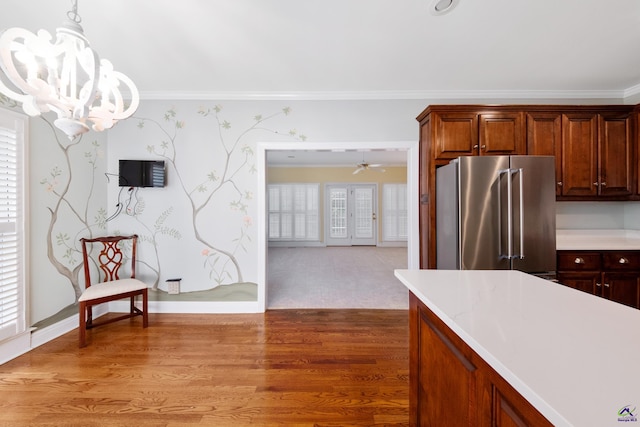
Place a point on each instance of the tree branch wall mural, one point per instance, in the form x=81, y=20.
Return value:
x=65, y=255
x=216, y=187
x=205, y=218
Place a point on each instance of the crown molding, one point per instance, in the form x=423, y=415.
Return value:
x=633, y=90
x=390, y=95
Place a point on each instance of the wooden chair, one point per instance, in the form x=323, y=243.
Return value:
x=112, y=288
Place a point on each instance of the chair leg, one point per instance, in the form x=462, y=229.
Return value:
x=132, y=305
x=83, y=324
x=145, y=304
x=89, y=316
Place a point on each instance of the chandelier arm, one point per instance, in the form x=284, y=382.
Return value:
x=14, y=42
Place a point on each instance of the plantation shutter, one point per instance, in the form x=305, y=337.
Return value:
x=12, y=231
x=293, y=211
x=395, y=220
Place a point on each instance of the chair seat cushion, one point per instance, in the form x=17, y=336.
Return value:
x=114, y=287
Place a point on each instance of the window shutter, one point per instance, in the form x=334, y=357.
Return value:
x=293, y=212
x=394, y=202
x=12, y=234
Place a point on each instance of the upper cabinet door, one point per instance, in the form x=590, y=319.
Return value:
x=502, y=133
x=455, y=134
x=615, y=155
x=544, y=138
x=579, y=155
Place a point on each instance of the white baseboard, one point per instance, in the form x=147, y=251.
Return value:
x=293, y=244
x=208, y=307
x=389, y=244
x=14, y=347
x=44, y=335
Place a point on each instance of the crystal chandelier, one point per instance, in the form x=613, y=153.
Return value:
x=66, y=77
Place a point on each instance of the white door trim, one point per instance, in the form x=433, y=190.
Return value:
x=413, y=250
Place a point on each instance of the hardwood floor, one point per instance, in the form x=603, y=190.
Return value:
x=280, y=368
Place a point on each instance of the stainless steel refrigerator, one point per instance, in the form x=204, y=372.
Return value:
x=496, y=213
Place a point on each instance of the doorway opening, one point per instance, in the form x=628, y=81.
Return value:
x=410, y=150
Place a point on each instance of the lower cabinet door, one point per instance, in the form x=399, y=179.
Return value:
x=446, y=378
x=509, y=408
x=622, y=287
x=450, y=385
x=586, y=281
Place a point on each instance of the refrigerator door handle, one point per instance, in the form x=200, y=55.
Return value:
x=509, y=214
x=521, y=230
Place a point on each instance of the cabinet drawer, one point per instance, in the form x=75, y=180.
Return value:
x=579, y=261
x=621, y=260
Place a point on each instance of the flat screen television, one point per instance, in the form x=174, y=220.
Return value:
x=141, y=173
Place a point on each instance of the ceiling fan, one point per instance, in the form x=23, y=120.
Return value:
x=365, y=166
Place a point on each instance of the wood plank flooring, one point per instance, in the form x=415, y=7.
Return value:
x=280, y=368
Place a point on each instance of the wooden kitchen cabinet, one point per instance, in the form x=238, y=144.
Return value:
x=594, y=150
x=451, y=385
x=579, y=168
x=621, y=287
x=544, y=138
x=597, y=155
x=594, y=147
x=477, y=133
x=502, y=133
x=614, y=275
x=583, y=281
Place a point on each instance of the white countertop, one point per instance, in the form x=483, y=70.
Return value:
x=597, y=240
x=573, y=356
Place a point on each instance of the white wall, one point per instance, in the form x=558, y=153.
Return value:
x=173, y=244
x=632, y=215
x=598, y=215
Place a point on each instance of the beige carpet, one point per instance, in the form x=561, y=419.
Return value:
x=336, y=277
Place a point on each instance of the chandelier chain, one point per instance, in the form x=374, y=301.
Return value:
x=73, y=13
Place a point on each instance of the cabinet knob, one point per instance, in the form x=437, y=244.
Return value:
x=595, y=184
x=579, y=260
x=606, y=285
x=559, y=183
x=483, y=147
x=623, y=260
x=604, y=184
x=598, y=285
x=475, y=146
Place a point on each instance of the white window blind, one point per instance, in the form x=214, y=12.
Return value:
x=12, y=232
x=294, y=212
x=394, y=205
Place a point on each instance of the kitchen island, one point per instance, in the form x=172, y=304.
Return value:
x=508, y=348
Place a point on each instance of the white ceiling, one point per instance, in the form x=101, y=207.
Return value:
x=347, y=158
x=358, y=49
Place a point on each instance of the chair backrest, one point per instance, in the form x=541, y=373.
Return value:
x=111, y=257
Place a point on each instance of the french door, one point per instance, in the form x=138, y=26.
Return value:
x=350, y=214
